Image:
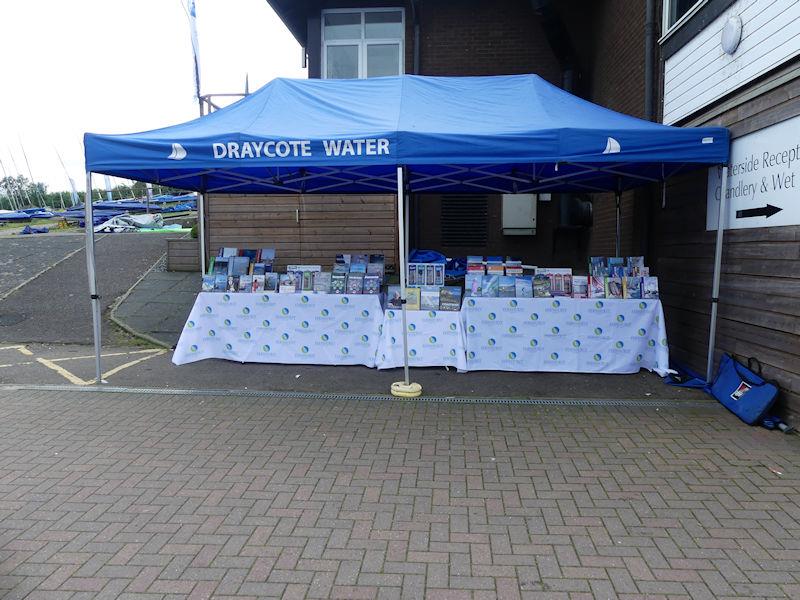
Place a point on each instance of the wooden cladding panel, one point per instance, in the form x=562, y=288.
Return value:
x=759, y=312
x=305, y=229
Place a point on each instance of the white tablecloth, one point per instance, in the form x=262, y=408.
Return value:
x=322, y=329
x=435, y=339
x=565, y=334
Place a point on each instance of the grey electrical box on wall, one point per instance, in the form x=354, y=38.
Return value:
x=519, y=214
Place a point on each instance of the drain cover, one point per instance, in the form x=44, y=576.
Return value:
x=9, y=319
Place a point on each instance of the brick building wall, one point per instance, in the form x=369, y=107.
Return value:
x=616, y=74
x=473, y=37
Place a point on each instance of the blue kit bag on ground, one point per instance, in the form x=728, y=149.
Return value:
x=743, y=391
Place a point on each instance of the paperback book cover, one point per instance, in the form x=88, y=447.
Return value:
x=393, y=299
x=338, y=283
x=635, y=265
x=228, y=252
x=580, y=286
x=429, y=297
x=513, y=266
x=430, y=274
x=266, y=255
x=614, y=288
x=259, y=268
x=650, y=288
x=322, y=283
x=597, y=265
x=308, y=280
x=270, y=282
x=375, y=268
x=211, y=262
x=208, y=283
x=412, y=298
x=523, y=287
x=617, y=271
x=220, y=266
x=355, y=283
x=506, y=287
x=450, y=297
x=597, y=286
x=258, y=283
x=372, y=284
x=358, y=268
x=632, y=288
x=377, y=258
x=220, y=282
x=238, y=265
x=251, y=254
x=490, y=286
x=472, y=284
x=233, y=284
x=246, y=283
x=541, y=286
x=411, y=277
x=287, y=283
x=438, y=274
x=560, y=284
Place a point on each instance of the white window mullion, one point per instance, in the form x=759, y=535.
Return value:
x=362, y=45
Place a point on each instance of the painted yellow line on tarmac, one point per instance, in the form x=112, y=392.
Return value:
x=116, y=370
x=19, y=348
x=74, y=379
x=151, y=351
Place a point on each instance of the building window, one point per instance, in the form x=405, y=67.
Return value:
x=357, y=44
x=679, y=11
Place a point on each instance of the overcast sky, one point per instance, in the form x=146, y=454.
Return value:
x=120, y=66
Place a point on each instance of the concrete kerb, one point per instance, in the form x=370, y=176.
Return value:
x=123, y=325
x=295, y=395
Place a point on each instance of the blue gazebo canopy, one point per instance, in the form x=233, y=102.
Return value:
x=507, y=134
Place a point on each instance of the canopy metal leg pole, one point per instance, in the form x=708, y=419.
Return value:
x=201, y=230
x=617, y=246
x=712, y=332
x=95, y=299
x=407, y=223
x=404, y=388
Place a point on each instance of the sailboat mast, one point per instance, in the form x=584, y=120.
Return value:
x=33, y=181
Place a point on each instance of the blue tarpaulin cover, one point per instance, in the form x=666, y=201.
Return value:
x=510, y=134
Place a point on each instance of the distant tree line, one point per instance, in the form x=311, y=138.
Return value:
x=19, y=192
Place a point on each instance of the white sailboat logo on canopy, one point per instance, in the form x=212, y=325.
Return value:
x=178, y=152
x=612, y=146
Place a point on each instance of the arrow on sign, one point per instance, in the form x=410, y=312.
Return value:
x=762, y=211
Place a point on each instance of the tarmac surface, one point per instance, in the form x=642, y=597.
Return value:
x=22, y=257
x=54, y=307
x=160, y=496
x=159, y=304
x=55, y=364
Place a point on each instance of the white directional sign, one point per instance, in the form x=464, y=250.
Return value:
x=763, y=180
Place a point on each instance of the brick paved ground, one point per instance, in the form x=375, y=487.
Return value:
x=132, y=496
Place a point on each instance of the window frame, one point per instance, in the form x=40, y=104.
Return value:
x=667, y=29
x=362, y=42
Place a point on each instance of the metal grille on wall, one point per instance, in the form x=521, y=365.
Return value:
x=464, y=220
